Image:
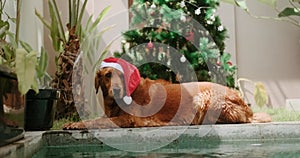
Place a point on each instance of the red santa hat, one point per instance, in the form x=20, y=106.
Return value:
x=130, y=72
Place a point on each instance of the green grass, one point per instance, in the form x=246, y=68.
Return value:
x=57, y=124
x=280, y=114
x=18, y=118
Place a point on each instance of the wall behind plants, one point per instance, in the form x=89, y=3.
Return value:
x=31, y=31
x=264, y=50
x=117, y=16
x=268, y=51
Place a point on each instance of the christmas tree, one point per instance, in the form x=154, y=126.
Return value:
x=172, y=39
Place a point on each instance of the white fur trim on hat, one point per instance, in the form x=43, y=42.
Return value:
x=114, y=65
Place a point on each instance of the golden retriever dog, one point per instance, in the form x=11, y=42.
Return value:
x=160, y=103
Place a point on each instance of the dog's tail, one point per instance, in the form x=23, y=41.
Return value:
x=261, y=117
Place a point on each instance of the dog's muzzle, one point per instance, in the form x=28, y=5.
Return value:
x=117, y=92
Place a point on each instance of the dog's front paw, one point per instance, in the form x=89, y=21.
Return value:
x=74, y=126
x=100, y=123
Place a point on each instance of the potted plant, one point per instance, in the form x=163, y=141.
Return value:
x=9, y=131
x=40, y=105
x=70, y=42
x=12, y=88
x=16, y=77
x=23, y=73
x=40, y=109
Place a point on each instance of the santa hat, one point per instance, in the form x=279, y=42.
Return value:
x=130, y=72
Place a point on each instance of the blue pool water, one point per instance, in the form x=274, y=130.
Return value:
x=199, y=149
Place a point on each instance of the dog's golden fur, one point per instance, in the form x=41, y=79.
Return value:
x=160, y=103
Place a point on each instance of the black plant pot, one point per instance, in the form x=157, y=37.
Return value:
x=40, y=109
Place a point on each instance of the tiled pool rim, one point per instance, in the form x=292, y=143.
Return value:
x=33, y=141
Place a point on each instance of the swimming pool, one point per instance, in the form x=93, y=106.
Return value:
x=238, y=140
x=211, y=149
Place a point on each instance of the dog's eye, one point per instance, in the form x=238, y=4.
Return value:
x=108, y=75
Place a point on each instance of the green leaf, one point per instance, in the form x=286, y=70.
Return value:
x=82, y=11
x=25, y=70
x=26, y=46
x=102, y=56
x=271, y=3
x=260, y=94
x=8, y=52
x=42, y=63
x=242, y=4
x=89, y=22
x=54, y=30
x=289, y=12
x=12, y=40
x=58, y=17
x=4, y=27
x=46, y=23
x=35, y=86
x=99, y=18
x=225, y=58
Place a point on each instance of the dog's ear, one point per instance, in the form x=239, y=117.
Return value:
x=99, y=83
x=97, y=80
x=104, y=89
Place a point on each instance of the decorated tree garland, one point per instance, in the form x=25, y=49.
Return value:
x=173, y=32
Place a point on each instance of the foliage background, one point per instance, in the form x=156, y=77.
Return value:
x=157, y=25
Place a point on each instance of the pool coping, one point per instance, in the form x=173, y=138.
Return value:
x=25, y=147
x=33, y=141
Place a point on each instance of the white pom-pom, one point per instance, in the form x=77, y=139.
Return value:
x=127, y=100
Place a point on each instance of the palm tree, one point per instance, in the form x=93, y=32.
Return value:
x=69, y=47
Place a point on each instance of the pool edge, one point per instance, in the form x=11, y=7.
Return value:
x=25, y=147
x=33, y=141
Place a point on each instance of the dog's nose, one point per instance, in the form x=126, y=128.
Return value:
x=116, y=91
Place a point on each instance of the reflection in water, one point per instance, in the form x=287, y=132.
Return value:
x=191, y=149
